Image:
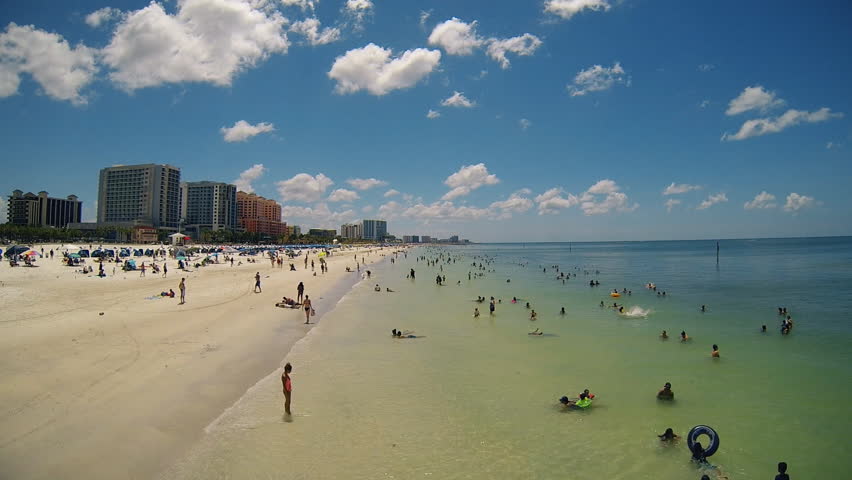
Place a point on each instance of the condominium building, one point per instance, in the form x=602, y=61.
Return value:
x=374, y=229
x=411, y=238
x=350, y=230
x=147, y=194
x=425, y=239
x=256, y=214
x=42, y=211
x=322, y=232
x=293, y=230
x=208, y=206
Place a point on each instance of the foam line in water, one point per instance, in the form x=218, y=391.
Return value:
x=636, y=312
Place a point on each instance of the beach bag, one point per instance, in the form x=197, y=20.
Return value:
x=313, y=312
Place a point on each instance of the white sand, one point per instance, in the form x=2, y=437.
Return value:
x=123, y=394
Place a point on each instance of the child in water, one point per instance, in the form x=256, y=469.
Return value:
x=715, y=353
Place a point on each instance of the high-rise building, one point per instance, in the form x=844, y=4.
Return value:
x=374, y=229
x=350, y=230
x=425, y=239
x=256, y=214
x=322, y=232
x=208, y=206
x=43, y=211
x=293, y=230
x=147, y=194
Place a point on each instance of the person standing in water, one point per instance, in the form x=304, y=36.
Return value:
x=715, y=353
x=308, y=309
x=287, y=386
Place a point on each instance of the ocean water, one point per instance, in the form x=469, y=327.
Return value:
x=476, y=398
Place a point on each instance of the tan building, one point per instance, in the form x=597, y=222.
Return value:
x=43, y=211
x=256, y=214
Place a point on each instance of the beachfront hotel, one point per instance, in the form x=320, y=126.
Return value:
x=43, y=211
x=374, y=229
x=208, y=206
x=256, y=214
x=146, y=194
x=350, y=230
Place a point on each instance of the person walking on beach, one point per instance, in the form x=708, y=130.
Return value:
x=287, y=386
x=165, y=269
x=142, y=270
x=257, y=288
x=182, y=288
x=308, y=309
x=300, y=290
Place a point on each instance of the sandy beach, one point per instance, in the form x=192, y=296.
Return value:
x=103, y=378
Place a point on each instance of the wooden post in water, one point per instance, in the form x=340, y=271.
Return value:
x=717, y=252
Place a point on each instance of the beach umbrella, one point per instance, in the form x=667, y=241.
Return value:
x=16, y=250
x=31, y=253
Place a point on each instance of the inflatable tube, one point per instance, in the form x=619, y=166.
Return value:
x=697, y=430
x=614, y=295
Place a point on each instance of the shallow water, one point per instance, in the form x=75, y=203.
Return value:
x=477, y=397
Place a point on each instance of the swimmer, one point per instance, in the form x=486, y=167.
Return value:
x=763, y=328
x=666, y=393
x=475, y=312
x=703, y=308
x=621, y=309
x=399, y=334
x=668, y=435
x=562, y=312
x=378, y=288
x=533, y=315
x=684, y=337
x=583, y=402
x=514, y=300
x=664, y=335
x=536, y=332
x=715, y=353
x=782, y=472
x=602, y=304
x=528, y=304
x=389, y=290
x=698, y=454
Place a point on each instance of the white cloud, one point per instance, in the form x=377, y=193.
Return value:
x=516, y=203
x=310, y=29
x=458, y=100
x=102, y=16
x=568, y=8
x=796, y=202
x=524, y=124
x=763, y=126
x=424, y=17
x=371, y=68
x=367, y=209
x=445, y=211
x=551, y=201
x=391, y=193
x=603, y=187
x=830, y=145
x=318, y=216
x=456, y=37
x=304, y=187
x=761, y=200
x=391, y=210
x=358, y=10
x=712, y=200
x=242, y=131
x=704, y=104
x=597, y=78
x=343, y=195
x=706, y=67
x=366, y=183
x=468, y=179
x=678, y=188
x=670, y=203
x=523, y=45
x=303, y=4
x=433, y=114
x=208, y=41
x=753, y=98
x=60, y=71
x=244, y=183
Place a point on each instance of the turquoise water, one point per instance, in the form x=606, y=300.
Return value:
x=477, y=398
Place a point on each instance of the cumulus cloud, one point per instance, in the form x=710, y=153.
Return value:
x=678, y=188
x=468, y=179
x=753, y=98
x=372, y=68
x=524, y=124
x=603, y=187
x=242, y=131
x=516, y=203
x=61, y=71
x=102, y=16
x=208, y=41
x=552, y=201
x=391, y=210
x=314, y=35
x=433, y=114
x=391, y=193
x=424, y=17
x=244, y=182
x=704, y=103
x=796, y=202
x=712, y=200
x=670, y=203
x=304, y=187
x=706, y=67
x=597, y=78
x=456, y=37
x=763, y=126
x=358, y=10
x=303, y=4
x=319, y=216
x=523, y=45
x=343, y=195
x=761, y=200
x=457, y=99
x=366, y=183
x=445, y=210
x=568, y=8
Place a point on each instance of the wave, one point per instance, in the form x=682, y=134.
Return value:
x=636, y=312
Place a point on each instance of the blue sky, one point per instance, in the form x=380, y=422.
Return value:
x=550, y=120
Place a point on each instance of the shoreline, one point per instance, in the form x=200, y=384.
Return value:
x=139, y=383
